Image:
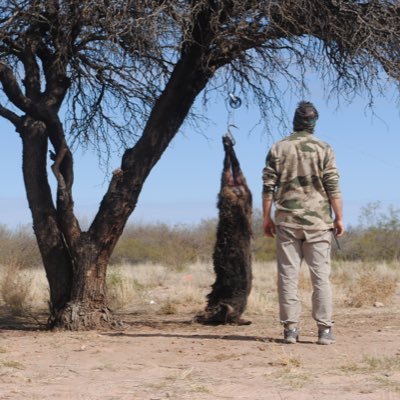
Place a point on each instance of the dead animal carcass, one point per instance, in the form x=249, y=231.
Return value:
x=232, y=253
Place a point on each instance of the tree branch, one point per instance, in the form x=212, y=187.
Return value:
x=12, y=89
x=32, y=72
x=188, y=79
x=8, y=114
x=63, y=171
x=61, y=186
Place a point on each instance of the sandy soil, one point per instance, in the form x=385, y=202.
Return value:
x=168, y=357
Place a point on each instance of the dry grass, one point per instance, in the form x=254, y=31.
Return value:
x=143, y=288
x=22, y=290
x=11, y=364
x=366, y=284
x=382, y=364
x=288, y=368
x=381, y=371
x=158, y=289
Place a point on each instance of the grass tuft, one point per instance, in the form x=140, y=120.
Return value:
x=23, y=290
x=371, y=285
x=12, y=364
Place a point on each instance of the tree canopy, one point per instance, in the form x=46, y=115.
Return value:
x=109, y=61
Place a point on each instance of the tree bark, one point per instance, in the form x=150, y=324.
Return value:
x=87, y=307
x=56, y=258
x=76, y=271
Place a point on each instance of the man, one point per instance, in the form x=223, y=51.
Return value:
x=301, y=178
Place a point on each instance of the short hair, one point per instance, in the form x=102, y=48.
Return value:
x=305, y=116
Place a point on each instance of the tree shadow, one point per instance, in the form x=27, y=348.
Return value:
x=200, y=336
x=23, y=322
x=38, y=322
x=162, y=324
x=194, y=336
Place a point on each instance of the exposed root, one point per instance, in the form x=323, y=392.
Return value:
x=78, y=317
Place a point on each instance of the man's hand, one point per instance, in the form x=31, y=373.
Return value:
x=338, y=227
x=269, y=227
x=268, y=224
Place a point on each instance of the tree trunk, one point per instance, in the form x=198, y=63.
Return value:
x=55, y=256
x=76, y=272
x=87, y=307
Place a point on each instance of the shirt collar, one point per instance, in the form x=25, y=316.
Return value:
x=302, y=133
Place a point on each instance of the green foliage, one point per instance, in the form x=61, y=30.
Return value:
x=175, y=246
x=179, y=246
x=376, y=238
x=263, y=248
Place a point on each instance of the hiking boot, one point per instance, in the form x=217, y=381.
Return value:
x=325, y=336
x=291, y=336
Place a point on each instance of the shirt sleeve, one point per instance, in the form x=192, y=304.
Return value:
x=330, y=178
x=270, y=175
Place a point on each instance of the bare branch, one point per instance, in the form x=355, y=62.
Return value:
x=110, y=60
x=12, y=89
x=63, y=171
x=11, y=116
x=58, y=159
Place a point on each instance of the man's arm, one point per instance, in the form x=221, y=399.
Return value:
x=270, y=179
x=268, y=223
x=331, y=184
x=337, y=205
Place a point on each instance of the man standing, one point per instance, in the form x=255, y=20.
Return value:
x=301, y=178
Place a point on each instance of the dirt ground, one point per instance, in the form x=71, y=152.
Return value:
x=169, y=357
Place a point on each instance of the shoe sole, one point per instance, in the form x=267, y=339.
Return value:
x=325, y=342
x=291, y=340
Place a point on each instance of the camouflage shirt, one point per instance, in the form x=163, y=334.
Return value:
x=301, y=176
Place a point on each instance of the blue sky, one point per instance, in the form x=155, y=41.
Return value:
x=183, y=186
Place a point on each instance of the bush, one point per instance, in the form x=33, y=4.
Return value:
x=376, y=238
x=15, y=289
x=19, y=247
x=179, y=246
x=263, y=248
x=176, y=246
x=371, y=287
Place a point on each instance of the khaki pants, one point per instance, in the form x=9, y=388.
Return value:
x=294, y=245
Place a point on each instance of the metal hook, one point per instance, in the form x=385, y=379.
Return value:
x=234, y=101
x=229, y=135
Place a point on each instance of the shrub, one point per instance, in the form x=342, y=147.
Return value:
x=179, y=246
x=15, y=289
x=122, y=288
x=370, y=285
x=376, y=238
x=176, y=246
x=19, y=247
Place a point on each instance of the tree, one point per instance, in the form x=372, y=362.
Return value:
x=129, y=72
